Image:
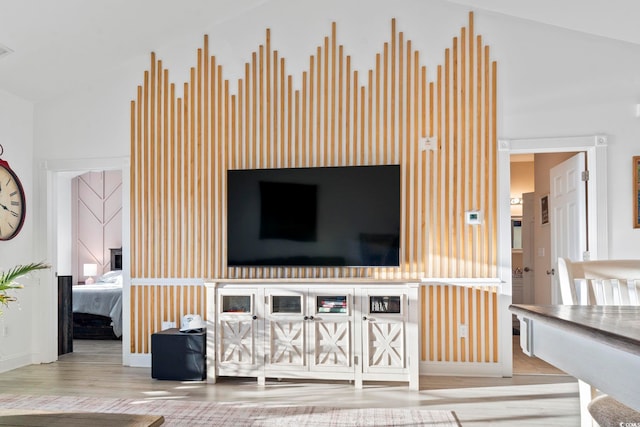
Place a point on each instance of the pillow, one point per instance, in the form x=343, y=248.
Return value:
x=111, y=277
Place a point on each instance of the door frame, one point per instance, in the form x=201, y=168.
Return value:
x=48, y=172
x=528, y=200
x=595, y=147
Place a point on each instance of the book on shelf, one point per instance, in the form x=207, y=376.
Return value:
x=332, y=309
x=333, y=303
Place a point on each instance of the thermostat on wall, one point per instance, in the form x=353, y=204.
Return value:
x=473, y=217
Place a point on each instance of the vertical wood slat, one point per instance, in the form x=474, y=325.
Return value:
x=166, y=303
x=385, y=102
x=143, y=206
x=472, y=147
x=464, y=182
x=487, y=145
x=152, y=164
x=455, y=165
x=392, y=130
x=178, y=223
x=317, y=157
x=193, y=170
x=165, y=175
x=476, y=307
x=275, y=148
x=324, y=119
x=206, y=166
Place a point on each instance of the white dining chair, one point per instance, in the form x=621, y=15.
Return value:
x=603, y=282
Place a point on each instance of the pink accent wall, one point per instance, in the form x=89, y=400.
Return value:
x=97, y=214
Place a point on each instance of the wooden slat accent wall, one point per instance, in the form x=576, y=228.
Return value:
x=182, y=147
x=152, y=304
x=445, y=307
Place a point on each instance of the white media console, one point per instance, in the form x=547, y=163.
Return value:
x=342, y=330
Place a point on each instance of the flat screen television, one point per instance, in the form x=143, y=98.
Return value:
x=314, y=217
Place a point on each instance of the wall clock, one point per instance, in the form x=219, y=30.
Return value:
x=12, y=201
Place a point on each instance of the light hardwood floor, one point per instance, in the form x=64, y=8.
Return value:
x=537, y=394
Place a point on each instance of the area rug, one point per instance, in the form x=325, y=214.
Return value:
x=188, y=413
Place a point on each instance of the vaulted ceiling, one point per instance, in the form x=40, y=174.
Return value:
x=59, y=44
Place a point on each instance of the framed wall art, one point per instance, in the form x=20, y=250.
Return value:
x=636, y=192
x=544, y=210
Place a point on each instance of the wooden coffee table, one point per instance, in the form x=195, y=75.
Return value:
x=32, y=418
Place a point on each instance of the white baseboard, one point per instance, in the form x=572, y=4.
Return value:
x=139, y=360
x=15, y=361
x=462, y=369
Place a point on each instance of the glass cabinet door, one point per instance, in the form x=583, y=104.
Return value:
x=289, y=304
x=236, y=304
x=331, y=304
x=385, y=304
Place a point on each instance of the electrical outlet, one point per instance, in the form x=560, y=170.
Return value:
x=462, y=331
x=5, y=331
x=168, y=325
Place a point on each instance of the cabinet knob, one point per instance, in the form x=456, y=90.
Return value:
x=306, y=317
x=310, y=317
x=254, y=317
x=364, y=317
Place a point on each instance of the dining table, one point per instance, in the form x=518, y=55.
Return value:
x=597, y=344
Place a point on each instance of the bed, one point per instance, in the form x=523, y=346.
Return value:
x=97, y=308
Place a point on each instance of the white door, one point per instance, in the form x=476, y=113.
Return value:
x=567, y=214
x=528, y=274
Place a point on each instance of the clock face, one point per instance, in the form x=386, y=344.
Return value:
x=12, y=203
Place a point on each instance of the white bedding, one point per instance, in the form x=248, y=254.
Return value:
x=102, y=298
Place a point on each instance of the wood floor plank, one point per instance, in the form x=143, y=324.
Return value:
x=544, y=399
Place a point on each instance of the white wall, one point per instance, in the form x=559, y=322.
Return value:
x=17, y=321
x=552, y=82
x=555, y=82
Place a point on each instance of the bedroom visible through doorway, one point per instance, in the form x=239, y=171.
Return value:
x=89, y=250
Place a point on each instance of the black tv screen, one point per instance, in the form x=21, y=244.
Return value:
x=315, y=217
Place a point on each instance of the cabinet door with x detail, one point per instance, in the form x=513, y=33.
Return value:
x=239, y=333
x=383, y=331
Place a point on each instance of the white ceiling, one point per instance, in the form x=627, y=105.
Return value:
x=58, y=44
x=615, y=19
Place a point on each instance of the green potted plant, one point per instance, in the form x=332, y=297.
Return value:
x=9, y=277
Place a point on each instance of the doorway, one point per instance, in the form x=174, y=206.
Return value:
x=53, y=175
x=533, y=243
x=89, y=235
x=595, y=148
x=522, y=188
